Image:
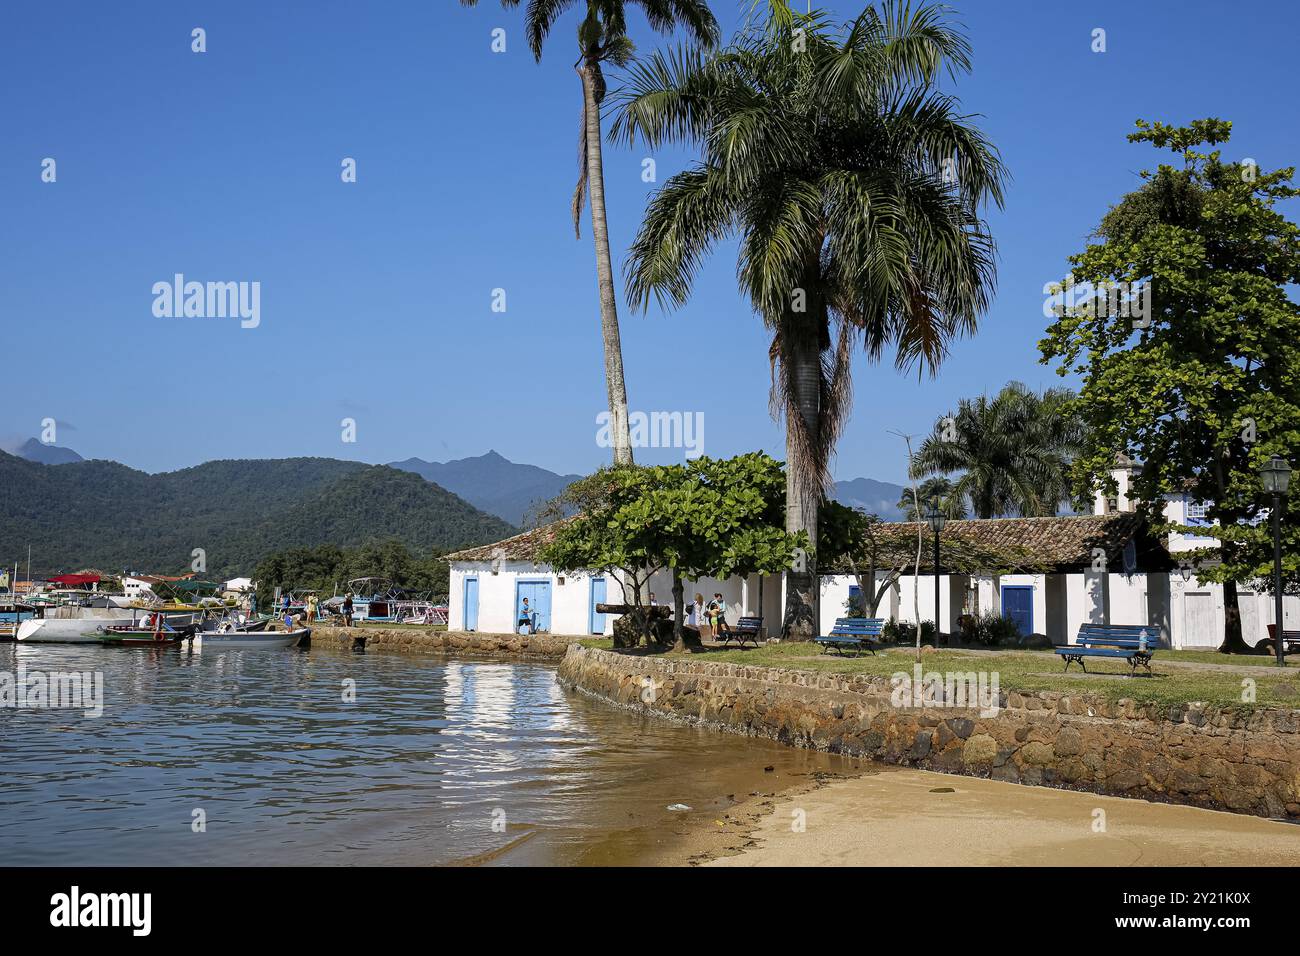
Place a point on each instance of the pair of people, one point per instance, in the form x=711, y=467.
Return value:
x=715, y=612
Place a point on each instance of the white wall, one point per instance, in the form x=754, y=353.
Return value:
x=570, y=601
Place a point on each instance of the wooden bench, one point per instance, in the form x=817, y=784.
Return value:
x=746, y=629
x=1134, y=643
x=853, y=633
x=1290, y=640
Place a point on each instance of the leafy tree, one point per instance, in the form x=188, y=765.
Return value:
x=709, y=517
x=1202, y=385
x=1012, y=452
x=602, y=38
x=853, y=186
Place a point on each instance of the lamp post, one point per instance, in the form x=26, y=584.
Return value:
x=937, y=520
x=1277, y=476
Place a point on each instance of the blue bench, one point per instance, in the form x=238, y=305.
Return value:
x=853, y=633
x=746, y=629
x=1134, y=643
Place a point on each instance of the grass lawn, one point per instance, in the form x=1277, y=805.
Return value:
x=1180, y=676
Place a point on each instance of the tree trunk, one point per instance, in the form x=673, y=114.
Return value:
x=802, y=488
x=1233, y=641
x=683, y=639
x=593, y=86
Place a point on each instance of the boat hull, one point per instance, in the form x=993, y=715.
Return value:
x=66, y=630
x=254, y=639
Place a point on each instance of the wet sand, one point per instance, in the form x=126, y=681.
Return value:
x=901, y=817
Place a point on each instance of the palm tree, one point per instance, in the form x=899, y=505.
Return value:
x=931, y=490
x=602, y=37
x=1013, y=451
x=853, y=187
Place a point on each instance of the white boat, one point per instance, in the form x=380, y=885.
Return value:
x=253, y=639
x=70, y=625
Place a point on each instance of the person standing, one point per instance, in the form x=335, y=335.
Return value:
x=347, y=610
x=719, y=609
x=698, y=612
x=311, y=608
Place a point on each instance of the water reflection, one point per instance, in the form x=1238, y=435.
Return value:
x=282, y=767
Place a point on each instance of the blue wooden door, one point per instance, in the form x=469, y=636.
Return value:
x=1018, y=606
x=471, y=604
x=539, y=602
x=597, y=597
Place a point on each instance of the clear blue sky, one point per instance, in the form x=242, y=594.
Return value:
x=376, y=295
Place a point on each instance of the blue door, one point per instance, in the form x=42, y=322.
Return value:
x=1018, y=606
x=597, y=597
x=539, y=603
x=471, y=604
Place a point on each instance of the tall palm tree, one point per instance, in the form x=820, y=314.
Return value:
x=853, y=186
x=602, y=37
x=1013, y=451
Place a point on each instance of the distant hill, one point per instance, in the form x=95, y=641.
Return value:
x=34, y=450
x=876, y=497
x=106, y=515
x=493, y=483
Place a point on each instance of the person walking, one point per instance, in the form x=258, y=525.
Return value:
x=525, y=617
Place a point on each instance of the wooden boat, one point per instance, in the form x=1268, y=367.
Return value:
x=156, y=630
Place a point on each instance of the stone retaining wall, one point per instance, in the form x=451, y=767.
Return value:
x=1247, y=762
x=422, y=639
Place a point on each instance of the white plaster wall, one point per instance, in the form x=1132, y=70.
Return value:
x=570, y=601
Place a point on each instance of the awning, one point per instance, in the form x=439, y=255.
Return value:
x=75, y=580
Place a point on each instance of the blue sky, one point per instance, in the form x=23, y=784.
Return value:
x=376, y=295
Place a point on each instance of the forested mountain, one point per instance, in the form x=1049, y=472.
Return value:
x=105, y=515
x=493, y=483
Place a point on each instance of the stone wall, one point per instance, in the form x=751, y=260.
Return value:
x=1247, y=762
x=424, y=639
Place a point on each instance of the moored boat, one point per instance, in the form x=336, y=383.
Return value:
x=70, y=625
x=236, y=638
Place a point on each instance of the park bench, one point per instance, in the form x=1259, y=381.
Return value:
x=853, y=633
x=746, y=629
x=1290, y=639
x=1134, y=643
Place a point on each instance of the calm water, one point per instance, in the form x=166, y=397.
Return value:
x=415, y=771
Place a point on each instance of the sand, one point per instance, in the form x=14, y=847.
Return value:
x=895, y=817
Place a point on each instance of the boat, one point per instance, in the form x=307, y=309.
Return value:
x=231, y=632
x=70, y=624
x=154, y=631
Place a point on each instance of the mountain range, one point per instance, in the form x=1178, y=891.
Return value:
x=105, y=515
x=79, y=513
x=493, y=483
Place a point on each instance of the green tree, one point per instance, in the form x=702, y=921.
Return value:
x=1201, y=384
x=602, y=38
x=853, y=186
x=709, y=517
x=1012, y=451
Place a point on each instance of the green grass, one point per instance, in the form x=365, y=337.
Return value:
x=1219, y=684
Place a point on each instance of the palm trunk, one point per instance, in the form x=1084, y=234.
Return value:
x=592, y=91
x=802, y=489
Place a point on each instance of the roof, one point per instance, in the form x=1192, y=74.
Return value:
x=1038, y=545
x=1043, y=545
x=522, y=547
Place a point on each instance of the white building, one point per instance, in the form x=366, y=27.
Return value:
x=1054, y=575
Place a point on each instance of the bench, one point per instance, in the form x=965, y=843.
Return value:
x=1134, y=643
x=1290, y=639
x=746, y=629
x=853, y=633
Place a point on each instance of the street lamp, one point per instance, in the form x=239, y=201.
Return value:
x=937, y=520
x=1277, y=476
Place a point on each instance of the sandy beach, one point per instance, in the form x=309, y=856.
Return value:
x=917, y=818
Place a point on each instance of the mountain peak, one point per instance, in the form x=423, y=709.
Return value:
x=44, y=454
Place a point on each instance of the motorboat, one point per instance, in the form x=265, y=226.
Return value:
x=70, y=624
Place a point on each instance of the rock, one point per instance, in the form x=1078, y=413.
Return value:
x=979, y=751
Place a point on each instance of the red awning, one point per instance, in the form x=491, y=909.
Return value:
x=75, y=580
